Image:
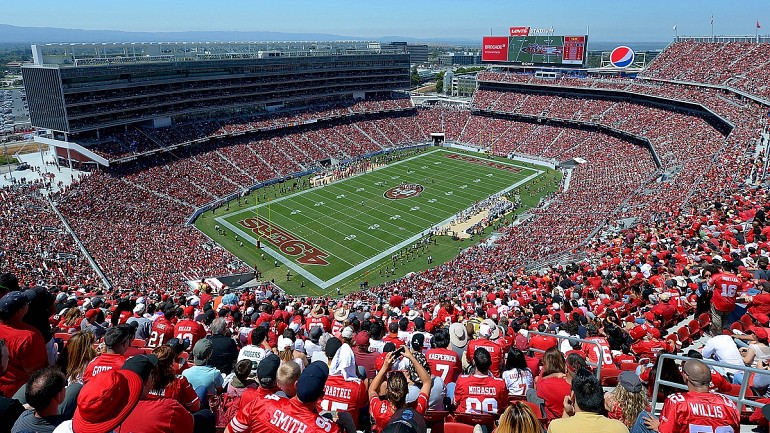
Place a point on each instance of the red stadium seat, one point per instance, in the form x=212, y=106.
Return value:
x=138, y=343
x=435, y=419
x=695, y=330
x=737, y=326
x=705, y=322
x=674, y=339
x=609, y=376
x=63, y=335
x=628, y=366
x=747, y=322
x=456, y=427
x=473, y=419
x=684, y=336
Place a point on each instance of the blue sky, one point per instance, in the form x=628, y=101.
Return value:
x=620, y=20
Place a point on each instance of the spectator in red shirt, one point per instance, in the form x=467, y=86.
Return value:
x=724, y=287
x=481, y=393
x=117, y=341
x=392, y=336
x=486, y=330
x=397, y=389
x=542, y=342
x=443, y=361
x=156, y=415
x=364, y=358
x=553, y=386
x=26, y=348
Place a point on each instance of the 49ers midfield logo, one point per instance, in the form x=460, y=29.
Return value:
x=404, y=191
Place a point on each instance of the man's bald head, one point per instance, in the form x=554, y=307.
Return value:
x=697, y=372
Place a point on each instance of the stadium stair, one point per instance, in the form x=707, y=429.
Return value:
x=229, y=161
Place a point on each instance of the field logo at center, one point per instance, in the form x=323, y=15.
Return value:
x=404, y=191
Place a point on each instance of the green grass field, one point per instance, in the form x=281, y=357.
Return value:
x=329, y=239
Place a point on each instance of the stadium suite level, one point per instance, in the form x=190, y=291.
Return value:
x=81, y=97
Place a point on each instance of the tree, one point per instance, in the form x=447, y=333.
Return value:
x=440, y=82
x=415, y=77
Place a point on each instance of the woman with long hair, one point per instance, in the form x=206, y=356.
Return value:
x=553, y=386
x=518, y=378
x=627, y=400
x=166, y=384
x=519, y=418
x=397, y=389
x=70, y=323
x=76, y=355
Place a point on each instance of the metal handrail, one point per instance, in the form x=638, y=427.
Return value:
x=582, y=341
x=740, y=400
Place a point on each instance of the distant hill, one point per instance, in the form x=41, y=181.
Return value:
x=31, y=35
x=16, y=34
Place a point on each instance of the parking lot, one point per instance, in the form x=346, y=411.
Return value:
x=13, y=109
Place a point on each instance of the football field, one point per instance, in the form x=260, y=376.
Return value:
x=328, y=233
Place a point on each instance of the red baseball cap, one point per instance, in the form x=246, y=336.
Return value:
x=759, y=332
x=106, y=401
x=91, y=314
x=637, y=332
x=362, y=338
x=189, y=310
x=762, y=318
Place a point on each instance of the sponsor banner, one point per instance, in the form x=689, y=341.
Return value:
x=484, y=162
x=495, y=49
x=622, y=57
x=286, y=242
x=519, y=31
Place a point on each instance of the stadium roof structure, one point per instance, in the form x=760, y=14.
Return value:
x=80, y=54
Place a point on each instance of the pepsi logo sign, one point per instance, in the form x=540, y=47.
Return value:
x=622, y=57
x=404, y=191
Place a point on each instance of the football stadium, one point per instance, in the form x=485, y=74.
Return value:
x=241, y=237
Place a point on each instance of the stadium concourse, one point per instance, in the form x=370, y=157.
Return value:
x=697, y=193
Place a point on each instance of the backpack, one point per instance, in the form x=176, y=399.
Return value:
x=225, y=408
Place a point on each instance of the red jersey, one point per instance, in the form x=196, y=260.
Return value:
x=444, y=363
x=323, y=322
x=624, y=359
x=393, y=339
x=179, y=389
x=255, y=394
x=495, y=352
x=698, y=411
x=647, y=348
x=381, y=410
x=725, y=287
x=102, y=363
x=481, y=395
x=337, y=329
x=162, y=331
x=191, y=330
x=592, y=351
x=158, y=416
x=543, y=343
x=343, y=396
x=274, y=414
x=553, y=390
x=27, y=355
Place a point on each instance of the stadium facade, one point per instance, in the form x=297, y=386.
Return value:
x=80, y=91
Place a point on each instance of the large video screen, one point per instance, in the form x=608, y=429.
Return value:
x=535, y=50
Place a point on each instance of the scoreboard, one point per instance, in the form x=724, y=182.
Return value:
x=547, y=50
x=574, y=50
